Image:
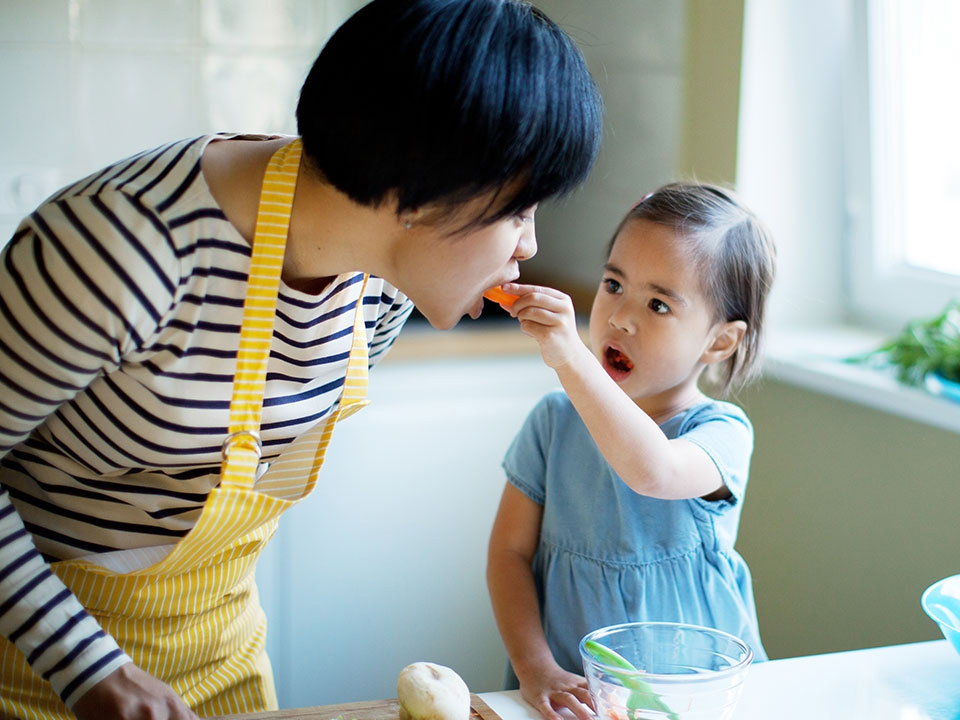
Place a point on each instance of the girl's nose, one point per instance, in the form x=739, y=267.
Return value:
x=620, y=319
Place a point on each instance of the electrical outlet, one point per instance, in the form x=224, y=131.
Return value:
x=23, y=187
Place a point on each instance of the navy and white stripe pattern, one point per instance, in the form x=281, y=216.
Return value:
x=120, y=306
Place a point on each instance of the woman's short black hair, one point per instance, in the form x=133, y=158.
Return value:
x=443, y=101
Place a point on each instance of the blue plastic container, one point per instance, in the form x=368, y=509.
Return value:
x=941, y=601
x=939, y=385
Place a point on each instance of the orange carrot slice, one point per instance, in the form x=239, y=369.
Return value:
x=499, y=296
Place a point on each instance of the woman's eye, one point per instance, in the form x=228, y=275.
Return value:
x=659, y=307
x=527, y=215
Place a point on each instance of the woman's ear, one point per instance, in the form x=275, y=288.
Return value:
x=726, y=338
x=408, y=218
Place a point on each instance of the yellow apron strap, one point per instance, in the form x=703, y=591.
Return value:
x=241, y=449
x=355, y=383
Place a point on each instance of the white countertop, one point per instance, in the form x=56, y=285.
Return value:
x=918, y=681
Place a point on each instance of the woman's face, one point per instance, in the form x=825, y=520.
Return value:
x=444, y=269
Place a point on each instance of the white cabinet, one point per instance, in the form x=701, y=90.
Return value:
x=384, y=564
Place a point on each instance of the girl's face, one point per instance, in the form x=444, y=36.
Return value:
x=445, y=274
x=650, y=324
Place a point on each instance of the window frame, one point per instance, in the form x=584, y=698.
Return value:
x=883, y=290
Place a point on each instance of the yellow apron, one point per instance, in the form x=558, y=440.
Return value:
x=193, y=619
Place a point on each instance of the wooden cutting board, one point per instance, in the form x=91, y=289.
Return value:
x=368, y=710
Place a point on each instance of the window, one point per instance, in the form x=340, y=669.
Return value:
x=905, y=202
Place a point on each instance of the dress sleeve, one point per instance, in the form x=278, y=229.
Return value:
x=525, y=462
x=723, y=432
x=78, y=289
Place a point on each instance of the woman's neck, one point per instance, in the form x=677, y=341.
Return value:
x=329, y=233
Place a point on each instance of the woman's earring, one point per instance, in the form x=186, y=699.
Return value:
x=407, y=225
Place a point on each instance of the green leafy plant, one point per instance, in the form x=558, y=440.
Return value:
x=923, y=347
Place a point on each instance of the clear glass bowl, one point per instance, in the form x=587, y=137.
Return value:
x=680, y=672
x=941, y=601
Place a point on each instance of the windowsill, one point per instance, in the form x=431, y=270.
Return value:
x=812, y=358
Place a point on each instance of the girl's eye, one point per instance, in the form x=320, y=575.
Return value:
x=611, y=286
x=659, y=307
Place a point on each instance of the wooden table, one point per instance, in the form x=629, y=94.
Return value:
x=369, y=710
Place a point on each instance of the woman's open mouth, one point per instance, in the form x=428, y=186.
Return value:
x=617, y=364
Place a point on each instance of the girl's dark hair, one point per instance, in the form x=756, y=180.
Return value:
x=734, y=255
x=443, y=101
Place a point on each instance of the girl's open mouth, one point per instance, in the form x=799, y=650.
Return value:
x=618, y=364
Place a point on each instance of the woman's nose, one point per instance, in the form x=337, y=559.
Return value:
x=527, y=246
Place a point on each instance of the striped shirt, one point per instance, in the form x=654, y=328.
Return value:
x=121, y=300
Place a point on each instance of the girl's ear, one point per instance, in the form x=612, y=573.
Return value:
x=726, y=338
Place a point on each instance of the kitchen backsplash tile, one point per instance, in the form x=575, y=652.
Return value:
x=253, y=92
x=30, y=21
x=37, y=82
x=86, y=82
x=120, y=22
x=244, y=22
x=129, y=101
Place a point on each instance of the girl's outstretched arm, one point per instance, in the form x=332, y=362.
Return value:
x=513, y=593
x=629, y=439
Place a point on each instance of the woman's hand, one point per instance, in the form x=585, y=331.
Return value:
x=129, y=693
x=548, y=316
x=554, y=688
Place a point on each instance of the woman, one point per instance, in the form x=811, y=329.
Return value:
x=182, y=330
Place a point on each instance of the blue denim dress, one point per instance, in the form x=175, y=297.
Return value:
x=608, y=555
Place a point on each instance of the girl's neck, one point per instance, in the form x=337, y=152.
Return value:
x=666, y=405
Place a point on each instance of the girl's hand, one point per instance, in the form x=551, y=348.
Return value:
x=547, y=315
x=129, y=693
x=555, y=688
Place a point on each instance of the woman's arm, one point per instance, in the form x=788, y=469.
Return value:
x=58, y=332
x=513, y=593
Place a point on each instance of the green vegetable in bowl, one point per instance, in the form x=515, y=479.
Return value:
x=924, y=347
x=642, y=696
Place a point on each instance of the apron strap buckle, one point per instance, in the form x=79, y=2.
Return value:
x=250, y=438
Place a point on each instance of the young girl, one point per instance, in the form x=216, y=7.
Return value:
x=624, y=491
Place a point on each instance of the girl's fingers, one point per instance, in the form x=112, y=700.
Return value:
x=539, y=301
x=583, y=695
x=545, y=707
x=521, y=289
x=574, y=704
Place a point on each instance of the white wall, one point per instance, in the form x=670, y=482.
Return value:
x=635, y=51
